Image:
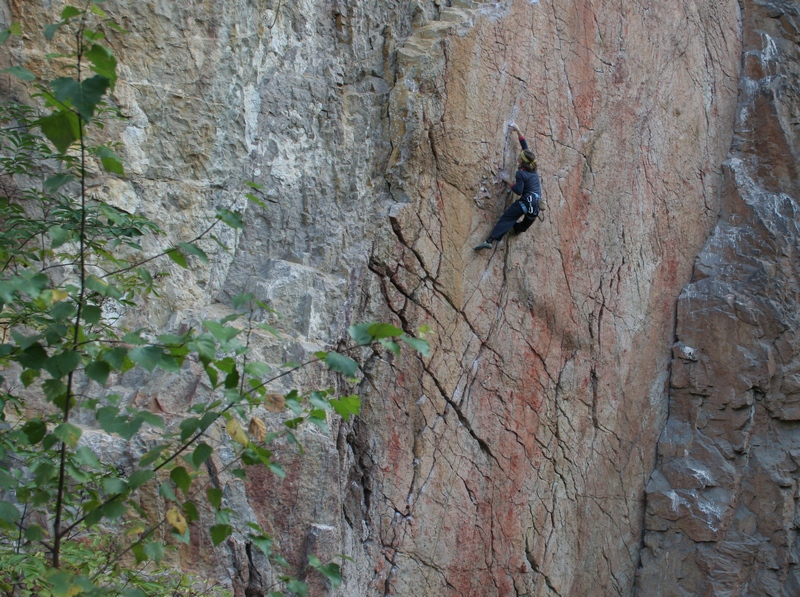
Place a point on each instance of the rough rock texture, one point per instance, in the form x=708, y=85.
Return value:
x=514, y=459
x=722, y=513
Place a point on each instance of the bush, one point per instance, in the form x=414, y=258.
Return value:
x=70, y=523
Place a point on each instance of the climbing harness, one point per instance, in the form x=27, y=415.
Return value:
x=530, y=205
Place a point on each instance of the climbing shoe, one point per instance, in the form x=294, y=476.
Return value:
x=484, y=245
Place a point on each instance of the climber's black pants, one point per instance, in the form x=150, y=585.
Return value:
x=509, y=219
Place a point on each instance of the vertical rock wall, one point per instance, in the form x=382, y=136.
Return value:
x=514, y=460
x=722, y=503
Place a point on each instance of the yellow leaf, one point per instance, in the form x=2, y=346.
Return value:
x=136, y=529
x=274, y=403
x=176, y=519
x=257, y=429
x=236, y=432
x=74, y=590
x=59, y=295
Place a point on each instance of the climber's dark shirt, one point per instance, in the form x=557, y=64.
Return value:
x=526, y=181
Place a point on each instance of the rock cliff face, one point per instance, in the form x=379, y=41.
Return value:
x=514, y=460
x=722, y=503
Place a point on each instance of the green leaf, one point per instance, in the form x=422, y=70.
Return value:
x=298, y=587
x=149, y=418
x=263, y=543
x=232, y=219
x=35, y=430
x=117, y=27
x=83, y=96
x=341, y=363
x=116, y=357
x=7, y=481
x=59, y=235
x=60, y=583
x=418, y=344
x=44, y=473
x=34, y=533
x=68, y=433
x=103, y=63
x=69, y=12
x=360, y=333
x=222, y=333
x=253, y=199
x=205, y=346
x=201, y=453
x=147, y=356
x=277, y=470
x=61, y=128
x=231, y=380
x=383, y=330
x=110, y=161
x=63, y=363
x=139, y=478
x=391, y=345
x=114, y=509
x=8, y=513
x=213, y=374
x=60, y=312
x=331, y=571
x=165, y=490
x=220, y=532
x=56, y=391
x=114, y=485
x=347, y=406
x=50, y=30
x=57, y=181
x=181, y=478
x=188, y=426
x=227, y=364
x=97, y=285
x=92, y=35
x=191, y=511
x=178, y=257
x=154, y=551
x=99, y=11
x=20, y=72
x=33, y=357
x=28, y=376
x=92, y=314
x=98, y=371
x=256, y=369
x=87, y=458
x=242, y=299
x=317, y=400
x=194, y=250
x=214, y=497
x=317, y=417
x=208, y=418
x=151, y=456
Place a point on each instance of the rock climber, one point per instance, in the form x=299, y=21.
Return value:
x=529, y=188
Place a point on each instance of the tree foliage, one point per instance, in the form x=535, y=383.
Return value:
x=70, y=522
